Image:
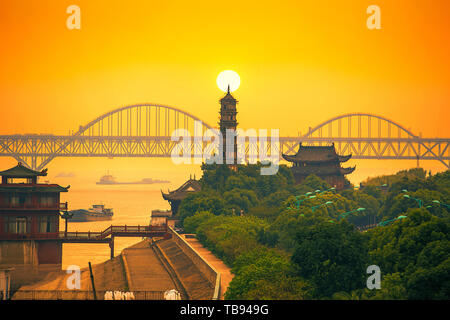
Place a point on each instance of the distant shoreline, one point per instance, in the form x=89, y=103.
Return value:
x=135, y=182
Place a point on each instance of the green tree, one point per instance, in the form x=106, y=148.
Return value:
x=201, y=201
x=264, y=274
x=193, y=222
x=333, y=256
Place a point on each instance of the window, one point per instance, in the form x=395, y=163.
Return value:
x=16, y=225
x=11, y=225
x=21, y=224
x=19, y=180
x=47, y=224
x=47, y=200
x=14, y=200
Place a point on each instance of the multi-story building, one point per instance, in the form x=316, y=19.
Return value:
x=30, y=241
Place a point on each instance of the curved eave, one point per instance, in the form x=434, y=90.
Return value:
x=289, y=158
x=344, y=158
x=293, y=158
x=348, y=170
x=164, y=195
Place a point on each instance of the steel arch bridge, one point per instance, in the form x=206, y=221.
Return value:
x=370, y=136
x=144, y=130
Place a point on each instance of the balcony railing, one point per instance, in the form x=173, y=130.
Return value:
x=75, y=235
x=31, y=206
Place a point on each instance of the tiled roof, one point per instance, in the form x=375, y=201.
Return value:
x=316, y=154
x=21, y=171
x=189, y=186
x=33, y=188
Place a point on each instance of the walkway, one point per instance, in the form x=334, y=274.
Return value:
x=225, y=272
x=144, y=270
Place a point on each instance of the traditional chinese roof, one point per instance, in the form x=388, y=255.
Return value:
x=228, y=96
x=188, y=187
x=311, y=154
x=321, y=170
x=21, y=171
x=33, y=188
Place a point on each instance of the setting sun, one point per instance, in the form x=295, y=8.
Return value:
x=228, y=78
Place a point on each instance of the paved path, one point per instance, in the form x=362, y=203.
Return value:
x=145, y=270
x=194, y=281
x=225, y=272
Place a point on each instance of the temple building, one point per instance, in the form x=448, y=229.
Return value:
x=228, y=121
x=174, y=197
x=29, y=224
x=323, y=161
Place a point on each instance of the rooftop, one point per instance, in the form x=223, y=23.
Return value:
x=189, y=186
x=20, y=171
x=23, y=187
x=316, y=154
x=228, y=96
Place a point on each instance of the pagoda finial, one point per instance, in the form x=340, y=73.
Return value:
x=228, y=91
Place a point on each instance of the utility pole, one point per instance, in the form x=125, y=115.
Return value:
x=92, y=281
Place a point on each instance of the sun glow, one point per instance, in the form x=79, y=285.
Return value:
x=228, y=78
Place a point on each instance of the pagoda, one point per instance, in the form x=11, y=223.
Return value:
x=228, y=122
x=322, y=161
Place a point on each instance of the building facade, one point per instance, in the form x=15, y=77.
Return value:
x=29, y=223
x=322, y=161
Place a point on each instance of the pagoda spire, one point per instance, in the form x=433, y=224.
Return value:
x=228, y=91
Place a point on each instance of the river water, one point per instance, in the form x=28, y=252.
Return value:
x=131, y=207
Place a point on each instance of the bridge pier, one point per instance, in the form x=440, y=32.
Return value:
x=111, y=246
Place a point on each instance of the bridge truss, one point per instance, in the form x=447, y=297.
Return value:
x=145, y=131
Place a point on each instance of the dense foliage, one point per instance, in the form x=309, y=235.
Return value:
x=287, y=241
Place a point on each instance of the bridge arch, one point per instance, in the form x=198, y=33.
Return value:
x=136, y=124
x=146, y=119
x=365, y=125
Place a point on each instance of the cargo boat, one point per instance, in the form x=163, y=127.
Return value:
x=98, y=212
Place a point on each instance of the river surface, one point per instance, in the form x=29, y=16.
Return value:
x=131, y=207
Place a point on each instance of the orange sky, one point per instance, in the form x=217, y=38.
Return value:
x=300, y=62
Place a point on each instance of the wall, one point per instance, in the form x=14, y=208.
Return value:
x=31, y=260
x=18, y=252
x=208, y=271
x=50, y=252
